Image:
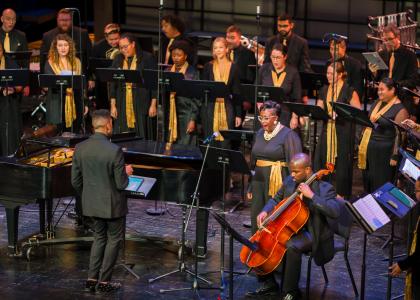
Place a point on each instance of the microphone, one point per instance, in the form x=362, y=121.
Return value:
x=334, y=36
x=210, y=138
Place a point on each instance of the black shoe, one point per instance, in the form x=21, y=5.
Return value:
x=90, y=285
x=292, y=295
x=266, y=289
x=108, y=287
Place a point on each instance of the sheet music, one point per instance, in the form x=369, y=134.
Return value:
x=370, y=210
x=411, y=169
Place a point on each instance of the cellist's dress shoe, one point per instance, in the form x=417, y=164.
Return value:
x=265, y=290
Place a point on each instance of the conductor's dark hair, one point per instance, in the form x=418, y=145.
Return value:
x=271, y=105
x=285, y=17
x=390, y=83
x=176, y=22
x=280, y=47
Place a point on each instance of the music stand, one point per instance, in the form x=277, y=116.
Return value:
x=313, y=82
x=352, y=114
x=11, y=78
x=413, y=136
x=121, y=77
x=22, y=58
x=264, y=92
x=313, y=112
x=168, y=82
x=227, y=160
x=99, y=63
x=233, y=234
x=199, y=89
x=61, y=82
x=242, y=136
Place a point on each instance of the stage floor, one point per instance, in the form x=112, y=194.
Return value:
x=59, y=272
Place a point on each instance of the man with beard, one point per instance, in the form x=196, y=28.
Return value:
x=298, y=51
x=64, y=25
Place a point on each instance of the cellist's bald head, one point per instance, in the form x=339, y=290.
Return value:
x=300, y=167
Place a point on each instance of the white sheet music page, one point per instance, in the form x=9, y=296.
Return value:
x=411, y=169
x=370, y=210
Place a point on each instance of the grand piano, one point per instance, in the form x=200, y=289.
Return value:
x=41, y=170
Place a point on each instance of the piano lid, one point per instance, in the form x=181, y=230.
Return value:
x=162, y=150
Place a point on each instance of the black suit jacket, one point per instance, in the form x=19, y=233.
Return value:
x=321, y=207
x=49, y=36
x=405, y=67
x=18, y=41
x=100, y=48
x=243, y=58
x=297, y=51
x=98, y=174
x=354, y=72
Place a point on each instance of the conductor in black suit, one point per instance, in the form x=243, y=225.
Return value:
x=298, y=51
x=64, y=25
x=99, y=175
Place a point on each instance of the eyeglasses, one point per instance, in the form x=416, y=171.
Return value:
x=124, y=47
x=276, y=57
x=265, y=118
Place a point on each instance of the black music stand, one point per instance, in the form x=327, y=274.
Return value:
x=99, y=63
x=264, y=93
x=168, y=83
x=121, y=77
x=352, y=114
x=233, y=234
x=62, y=82
x=227, y=160
x=202, y=89
x=242, y=136
x=11, y=78
x=313, y=82
x=22, y=58
x=313, y=112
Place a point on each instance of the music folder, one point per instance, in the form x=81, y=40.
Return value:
x=393, y=199
x=409, y=166
x=375, y=59
x=139, y=186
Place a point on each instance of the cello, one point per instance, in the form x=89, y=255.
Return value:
x=286, y=219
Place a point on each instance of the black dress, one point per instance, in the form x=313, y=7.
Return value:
x=380, y=150
x=232, y=102
x=56, y=105
x=10, y=118
x=291, y=87
x=187, y=110
x=281, y=147
x=144, y=125
x=345, y=144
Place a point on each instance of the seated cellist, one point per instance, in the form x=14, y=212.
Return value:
x=315, y=236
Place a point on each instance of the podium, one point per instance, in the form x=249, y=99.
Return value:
x=62, y=81
x=121, y=77
x=11, y=78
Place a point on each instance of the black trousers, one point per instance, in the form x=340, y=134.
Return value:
x=291, y=265
x=108, y=238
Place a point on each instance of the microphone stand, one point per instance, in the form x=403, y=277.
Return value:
x=256, y=69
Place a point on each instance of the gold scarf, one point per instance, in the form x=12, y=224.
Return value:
x=173, y=123
x=129, y=106
x=278, y=80
x=2, y=63
x=408, y=291
x=276, y=178
x=331, y=129
x=220, y=116
x=376, y=114
x=69, y=106
x=168, y=51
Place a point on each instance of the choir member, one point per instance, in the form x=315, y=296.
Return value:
x=279, y=73
x=222, y=113
x=336, y=143
x=133, y=107
x=298, y=51
x=64, y=110
x=183, y=111
x=10, y=115
x=378, y=149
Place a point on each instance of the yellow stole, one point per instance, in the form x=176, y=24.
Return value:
x=173, y=123
x=69, y=106
x=276, y=178
x=376, y=114
x=331, y=130
x=278, y=80
x=168, y=52
x=2, y=63
x=129, y=106
x=408, y=291
x=220, y=116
